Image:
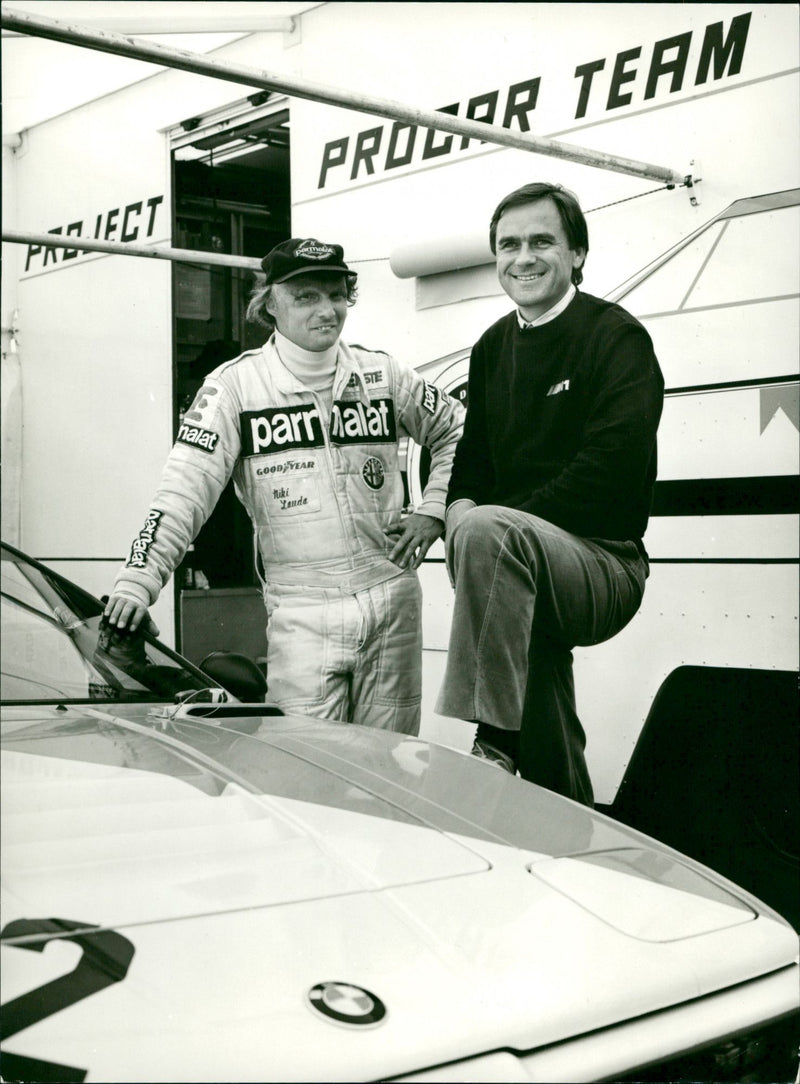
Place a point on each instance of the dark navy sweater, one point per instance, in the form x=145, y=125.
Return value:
x=562, y=419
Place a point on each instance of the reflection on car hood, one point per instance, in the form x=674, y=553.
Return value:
x=200, y=819
x=307, y=852
x=259, y=812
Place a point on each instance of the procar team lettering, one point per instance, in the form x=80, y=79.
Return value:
x=678, y=62
x=354, y=423
x=144, y=540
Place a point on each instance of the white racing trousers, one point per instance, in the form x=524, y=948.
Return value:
x=351, y=655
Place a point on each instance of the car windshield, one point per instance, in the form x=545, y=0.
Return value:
x=56, y=646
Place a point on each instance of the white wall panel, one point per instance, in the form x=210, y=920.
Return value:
x=733, y=343
x=723, y=537
x=696, y=615
x=97, y=389
x=756, y=257
x=718, y=435
x=692, y=615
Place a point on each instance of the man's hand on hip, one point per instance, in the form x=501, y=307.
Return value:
x=413, y=537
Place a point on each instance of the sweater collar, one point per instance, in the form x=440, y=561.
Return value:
x=551, y=313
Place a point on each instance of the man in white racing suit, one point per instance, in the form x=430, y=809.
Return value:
x=308, y=427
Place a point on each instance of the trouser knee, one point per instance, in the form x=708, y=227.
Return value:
x=480, y=530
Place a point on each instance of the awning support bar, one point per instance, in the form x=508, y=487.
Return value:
x=152, y=52
x=130, y=248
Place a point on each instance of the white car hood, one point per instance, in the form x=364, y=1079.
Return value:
x=480, y=911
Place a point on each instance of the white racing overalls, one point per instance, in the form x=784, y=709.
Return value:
x=343, y=628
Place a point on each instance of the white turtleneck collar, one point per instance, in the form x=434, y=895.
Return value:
x=314, y=368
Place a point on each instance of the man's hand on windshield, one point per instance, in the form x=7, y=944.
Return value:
x=413, y=537
x=124, y=613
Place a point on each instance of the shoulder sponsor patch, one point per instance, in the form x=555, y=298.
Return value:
x=430, y=397
x=279, y=429
x=196, y=437
x=202, y=405
x=144, y=540
x=354, y=423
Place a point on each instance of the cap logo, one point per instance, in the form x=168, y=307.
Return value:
x=314, y=250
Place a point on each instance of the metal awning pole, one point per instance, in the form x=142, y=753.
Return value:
x=154, y=53
x=129, y=248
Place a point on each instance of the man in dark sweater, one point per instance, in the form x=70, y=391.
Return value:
x=549, y=496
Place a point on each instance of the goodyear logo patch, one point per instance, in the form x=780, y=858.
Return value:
x=286, y=467
x=144, y=540
x=280, y=429
x=196, y=437
x=354, y=423
x=430, y=397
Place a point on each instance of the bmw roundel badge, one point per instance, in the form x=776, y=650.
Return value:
x=347, y=1004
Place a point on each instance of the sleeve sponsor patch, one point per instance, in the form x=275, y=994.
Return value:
x=196, y=437
x=430, y=397
x=144, y=540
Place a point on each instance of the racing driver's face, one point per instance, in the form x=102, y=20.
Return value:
x=310, y=309
x=534, y=260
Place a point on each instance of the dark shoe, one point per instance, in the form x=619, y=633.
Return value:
x=484, y=751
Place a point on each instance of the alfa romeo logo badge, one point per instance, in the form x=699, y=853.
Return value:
x=347, y=1004
x=373, y=473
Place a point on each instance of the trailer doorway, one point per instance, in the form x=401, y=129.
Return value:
x=231, y=194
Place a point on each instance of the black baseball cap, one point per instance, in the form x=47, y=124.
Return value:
x=299, y=256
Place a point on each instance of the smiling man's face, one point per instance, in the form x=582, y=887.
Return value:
x=310, y=309
x=534, y=260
